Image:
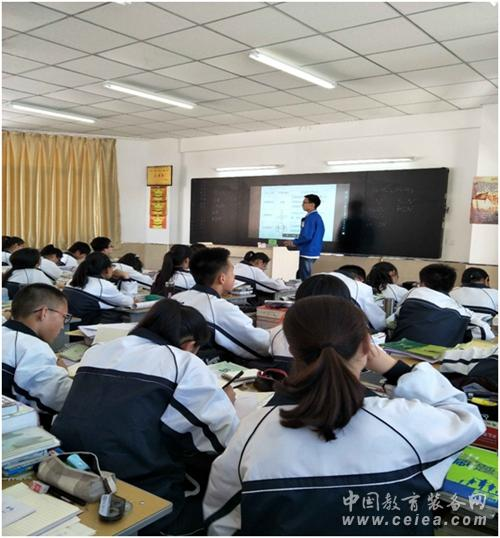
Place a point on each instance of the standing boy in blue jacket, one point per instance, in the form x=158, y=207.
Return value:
x=311, y=235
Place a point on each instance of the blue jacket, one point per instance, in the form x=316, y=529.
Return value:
x=310, y=240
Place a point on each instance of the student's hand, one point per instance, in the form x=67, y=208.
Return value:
x=118, y=274
x=230, y=393
x=60, y=362
x=378, y=360
x=289, y=243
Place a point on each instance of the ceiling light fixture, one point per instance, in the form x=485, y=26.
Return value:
x=371, y=161
x=51, y=113
x=147, y=95
x=249, y=168
x=291, y=70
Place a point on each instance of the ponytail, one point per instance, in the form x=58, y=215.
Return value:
x=23, y=258
x=379, y=276
x=93, y=265
x=171, y=261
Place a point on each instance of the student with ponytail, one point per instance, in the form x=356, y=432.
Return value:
x=383, y=278
x=175, y=269
x=475, y=292
x=323, y=454
x=25, y=268
x=251, y=271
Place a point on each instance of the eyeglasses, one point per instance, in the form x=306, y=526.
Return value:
x=67, y=317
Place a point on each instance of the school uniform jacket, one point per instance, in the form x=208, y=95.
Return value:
x=30, y=276
x=232, y=329
x=29, y=369
x=134, y=275
x=68, y=262
x=432, y=317
x=183, y=279
x=256, y=277
x=103, y=289
x=50, y=269
x=279, y=344
x=273, y=480
x=310, y=240
x=393, y=291
x=477, y=297
x=362, y=294
x=6, y=258
x=141, y=406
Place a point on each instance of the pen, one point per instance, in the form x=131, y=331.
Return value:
x=239, y=374
x=59, y=494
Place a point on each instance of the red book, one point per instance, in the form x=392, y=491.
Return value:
x=489, y=439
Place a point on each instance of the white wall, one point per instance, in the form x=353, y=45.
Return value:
x=448, y=139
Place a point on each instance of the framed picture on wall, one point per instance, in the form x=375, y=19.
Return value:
x=159, y=175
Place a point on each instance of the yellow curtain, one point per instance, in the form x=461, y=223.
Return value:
x=59, y=189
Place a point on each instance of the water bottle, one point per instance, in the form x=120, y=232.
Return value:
x=388, y=306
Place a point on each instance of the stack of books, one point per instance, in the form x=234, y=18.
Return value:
x=415, y=350
x=272, y=313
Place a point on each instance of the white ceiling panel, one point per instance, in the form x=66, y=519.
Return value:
x=374, y=85
x=71, y=7
x=264, y=114
x=191, y=123
x=488, y=68
x=15, y=65
x=157, y=115
x=222, y=129
x=475, y=102
x=196, y=73
x=198, y=43
x=151, y=81
x=81, y=35
x=190, y=133
x=59, y=76
x=442, y=75
x=353, y=103
x=199, y=111
x=39, y=49
x=416, y=7
x=139, y=20
x=77, y=97
x=381, y=36
x=316, y=93
x=375, y=113
x=479, y=47
x=349, y=69
x=274, y=99
x=239, y=64
x=291, y=122
x=280, y=80
x=197, y=94
x=468, y=19
x=30, y=86
x=121, y=106
x=98, y=67
x=326, y=16
x=238, y=87
x=145, y=56
x=24, y=16
x=49, y=102
x=231, y=105
x=334, y=117
x=12, y=95
x=424, y=108
x=261, y=27
x=6, y=33
x=90, y=111
x=469, y=89
x=202, y=12
x=225, y=119
x=255, y=126
x=305, y=109
x=406, y=97
x=308, y=50
x=421, y=57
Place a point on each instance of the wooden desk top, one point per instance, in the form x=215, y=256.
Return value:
x=146, y=509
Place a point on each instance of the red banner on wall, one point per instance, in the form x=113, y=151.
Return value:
x=158, y=207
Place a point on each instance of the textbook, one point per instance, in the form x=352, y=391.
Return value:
x=474, y=475
x=23, y=417
x=9, y=406
x=21, y=443
x=416, y=350
x=225, y=371
x=489, y=439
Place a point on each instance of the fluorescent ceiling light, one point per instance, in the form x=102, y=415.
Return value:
x=372, y=161
x=147, y=95
x=249, y=168
x=291, y=70
x=51, y=113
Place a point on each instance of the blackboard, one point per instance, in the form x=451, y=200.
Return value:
x=391, y=213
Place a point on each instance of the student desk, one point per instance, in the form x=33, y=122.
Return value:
x=146, y=509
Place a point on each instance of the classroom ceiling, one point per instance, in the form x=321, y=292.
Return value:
x=388, y=59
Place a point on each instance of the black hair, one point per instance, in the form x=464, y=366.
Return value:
x=353, y=271
x=379, y=276
x=99, y=244
x=171, y=261
x=8, y=241
x=49, y=250
x=438, y=277
x=314, y=199
x=93, y=265
x=176, y=322
x=252, y=256
x=80, y=246
x=323, y=285
x=33, y=296
x=206, y=264
x=195, y=247
x=474, y=275
x=133, y=260
x=23, y=258
x=324, y=333
x=5, y=242
x=409, y=284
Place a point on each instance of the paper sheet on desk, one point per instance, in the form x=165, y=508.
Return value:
x=247, y=401
x=91, y=331
x=144, y=305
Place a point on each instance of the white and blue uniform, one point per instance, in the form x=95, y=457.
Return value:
x=432, y=317
x=392, y=291
x=130, y=286
x=183, y=279
x=478, y=298
x=68, y=262
x=29, y=369
x=142, y=405
x=257, y=278
x=30, y=276
x=101, y=288
x=50, y=269
x=232, y=329
x=273, y=480
x=6, y=258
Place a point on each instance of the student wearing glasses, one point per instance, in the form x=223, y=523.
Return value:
x=30, y=372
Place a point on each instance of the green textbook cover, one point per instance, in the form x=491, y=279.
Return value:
x=474, y=473
x=411, y=348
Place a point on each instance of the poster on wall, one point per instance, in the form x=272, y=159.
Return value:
x=158, y=208
x=484, y=203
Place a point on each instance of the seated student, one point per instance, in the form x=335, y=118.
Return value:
x=232, y=329
x=25, y=268
x=131, y=264
x=430, y=316
x=251, y=271
x=353, y=271
x=195, y=247
x=92, y=276
x=320, y=284
x=475, y=292
x=383, y=278
x=147, y=407
x=362, y=295
x=102, y=244
x=9, y=245
x=174, y=271
x=29, y=366
x=49, y=261
x=298, y=465
x=75, y=254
